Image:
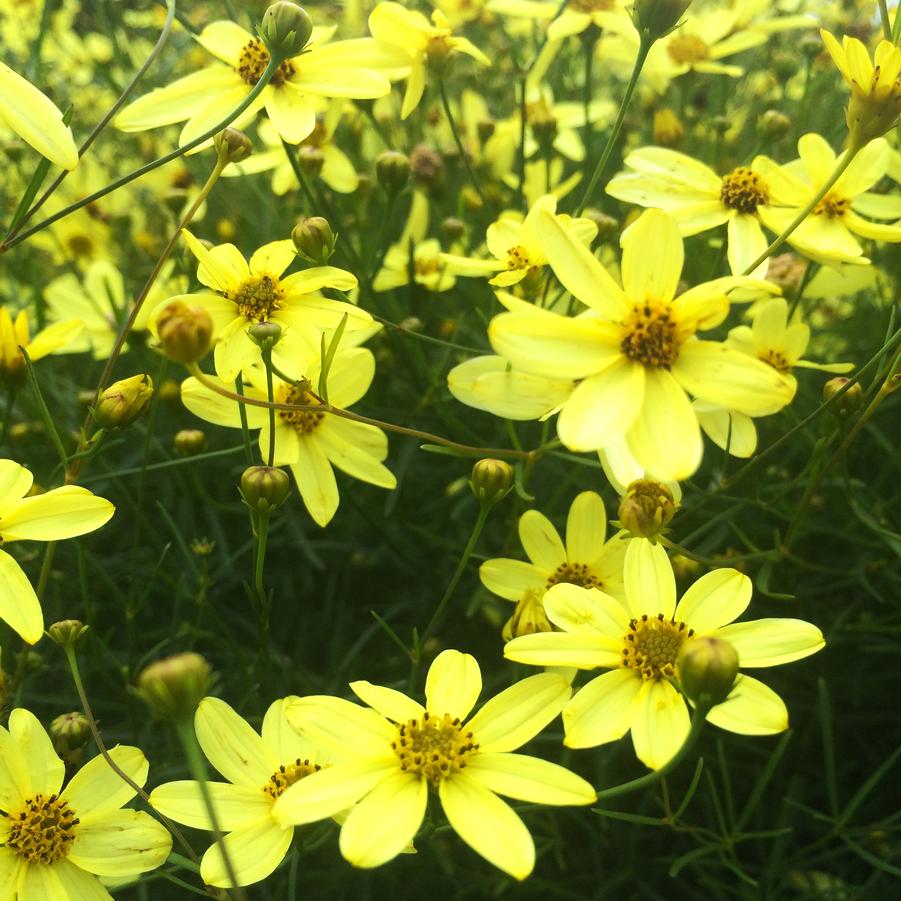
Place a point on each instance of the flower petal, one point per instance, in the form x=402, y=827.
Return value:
x=583, y=650
x=573, y=608
x=586, y=528
x=601, y=711
x=541, y=541
x=648, y=576
x=752, y=708
x=121, y=843
x=19, y=605
x=717, y=598
x=235, y=805
x=770, y=642
x=97, y=789
x=59, y=513
x=43, y=770
x=232, y=746
x=511, y=579
x=390, y=703
x=529, y=779
x=341, y=726
x=652, y=276
x=292, y=112
x=660, y=723
x=315, y=480
x=254, y=850
x=453, y=684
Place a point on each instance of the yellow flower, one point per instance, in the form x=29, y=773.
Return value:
x=55, y=841
x=15, y=334
x=875, y=86
x=640, y=645
x=257, y=769
x=35, y=119
x=635, y=350
x=343, y=69
x=60, y=513
x=424, y=43
x=396, y=749
x=257, y=291
x=310, y=443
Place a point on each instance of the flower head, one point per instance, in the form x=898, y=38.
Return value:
x=15, y=334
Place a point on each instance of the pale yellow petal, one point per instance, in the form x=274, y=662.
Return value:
x=19, y=605
x=43, y=769
x=254, y=850
x=511, y=579
x=529, y=779
x=340, y=726
x=717, y=598
x=655, y=275
x=59, y=513
x=573, y=608
x=583, y=650
x=121, y=843
x=97, y=790
x=586, y=527
x=770, y=642
x=390, y=703
x=315, y=481
x=660, y=723
x=541, y=541
x=752, y=708
x=601, y=711
x=453, y=684
x=232, y=746
x=235, y=805
x=649, y=580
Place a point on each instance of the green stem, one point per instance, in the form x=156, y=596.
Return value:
x=261, y=536
x=644, y=48
x=11, y=393
x=589, y=40
x=242, y=413
x=710, y=561
x=459, y=141
x=886, y=25
x=809, y=271
x=270, y=393
x=46, y=565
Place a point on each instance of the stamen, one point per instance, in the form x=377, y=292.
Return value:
x=43, y=830
x=434, y=746
x=744, y=190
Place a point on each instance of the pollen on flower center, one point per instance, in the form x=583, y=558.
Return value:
x=303, y=421
x=426, y=265
x=590, y=6
x=744, y=190
x=253, y=59
x=832, y=206
x=434, y=746
x=258, y=298
x=287, y=775
x=687, y=49
x=518, y=258
x=650, y=336
x=652, y=644
x=574, y=574
x=43, y=830
x=776, y=360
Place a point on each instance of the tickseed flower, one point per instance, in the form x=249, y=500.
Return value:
x=256, y=291
x=310, y=443
x=55, y=841
x=875, y=102
x=343, y=69
x=60, y=513
x=828, y=233
x=35, y=119
x=636, y=351
x=640, y=646
x=396, y=749
x=580, y=15
x=424, y=43
x=257, y=769
x=586, y=559
x=15, y=334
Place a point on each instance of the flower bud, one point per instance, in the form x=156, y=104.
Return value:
x=491, y=480
x=773, y=124
x=657, y=18
x=67, y=631
x=123, y=402
x=848, y=403
x=668, y=129
x=174, y=686
x=528, y=617
x=311, y=159
x=707, y=669
x=190, y=442
x=646, y=508
x=392, y=169
x=314, y=240
x=427, y=166
x=69, y=732
x=184, y=332
x=608, y=226
x=452, y=229
x=265, y=334
x=264, y=488
x=233, y=145
x=286, y=28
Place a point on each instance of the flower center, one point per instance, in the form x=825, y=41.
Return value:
x=687, y=49
x=253, y=59
x=518, y=258
x=303, y=421
x=776, y=360
x=43, y=830
x=574, y=574
x=434, y=746
x=590, y=6
x=426, y=265
x=743, y=190
x=652, y=644
x=316, y=138
x=650, y=337
x=287, y=775
x=832, y=206
x=258, y=298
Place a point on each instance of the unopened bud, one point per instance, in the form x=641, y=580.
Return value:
x=668, y=129
x=123, y=402
x=174, y=686
x=452, y=229
x=184, y=332
x=846, y=404
x=264, y=488
x=265, y=334
x=314, y=240
x=392, y=169
x=67, y=631
x=286, y=28
x=657, y=18
x=233, y=145
x=426, y=166
x=485, y=128
x=190, y=442
x=707, y=669
x=69, y=732
x=646, y=508
x=773, y=124
x=491, y=480
x=528, y=617
x=311, y=159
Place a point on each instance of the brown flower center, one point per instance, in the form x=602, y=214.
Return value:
x=687, y=49
x=259, y=297
x=518, y=258
x=776, y=360
x=253, y=59
x=43, y=830
x=590, y=6
x=652, y=644
x=575, y=574
x=287, y=775
x=743, y=190
x=650, y=336
x=832, y=206
x=434, y=746
x=302, y=421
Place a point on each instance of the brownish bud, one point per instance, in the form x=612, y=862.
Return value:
x=314, y=240
x=392, y=169
x=174, y=686
x=190, y=442
x=264, y=488
x=233, y=145
x=847, y=403
x=646, y=508
x=491, y=480
x=184, y=332
x=123, y=402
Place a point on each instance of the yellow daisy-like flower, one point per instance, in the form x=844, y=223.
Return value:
x=587, y=558
x=396, y=749
x=35, y=119
x=343, y=69
x=875, y=85
x=640, y=645
x=635, y=351
x=55, y=841
x=310, y=443
x=256, y=291
x=15, y=334
x=828, y=233
x=60, y=513
x=257, y=769
x=424, y=43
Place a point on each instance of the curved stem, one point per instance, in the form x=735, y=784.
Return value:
x=458, y=140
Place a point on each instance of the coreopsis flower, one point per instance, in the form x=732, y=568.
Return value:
x=830, y=232
x=395, y=750
x=35, y=119
x=586, y=559
x=56, y=840
x=875, y=102
x=15, y=334
x=59, y=513
x=424, y=44
x=246, y=292
x=636, y=351
x=257, y=768
x=640, y=645
x=310, y=443
x=355, y=68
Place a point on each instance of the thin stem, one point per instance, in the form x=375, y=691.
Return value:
x=261, y=536
x=270, y=393
x=644, y=48
x=11, y=392
x=710, y=561
x=589, y=39
x=886, y=24
x=245, y=429
x=46, y=565
x=459, y=141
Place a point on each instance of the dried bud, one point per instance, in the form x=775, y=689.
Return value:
x=707, y=669
x=184, y=332
x=773, y=124
x=657, y=18
x=668, y=128
x=190, y=442
x=265, y=334
x=646, y=508
x=233, y=145
x=174, y=686
x=848, y=403
x=69, y=732
x=491, y=480
x=528, y=616
x=123, y=402
x=392, y=169
x=66, y=632
x=286, y=28
x=426, y=166
x=264, y=488
x=314, y=240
